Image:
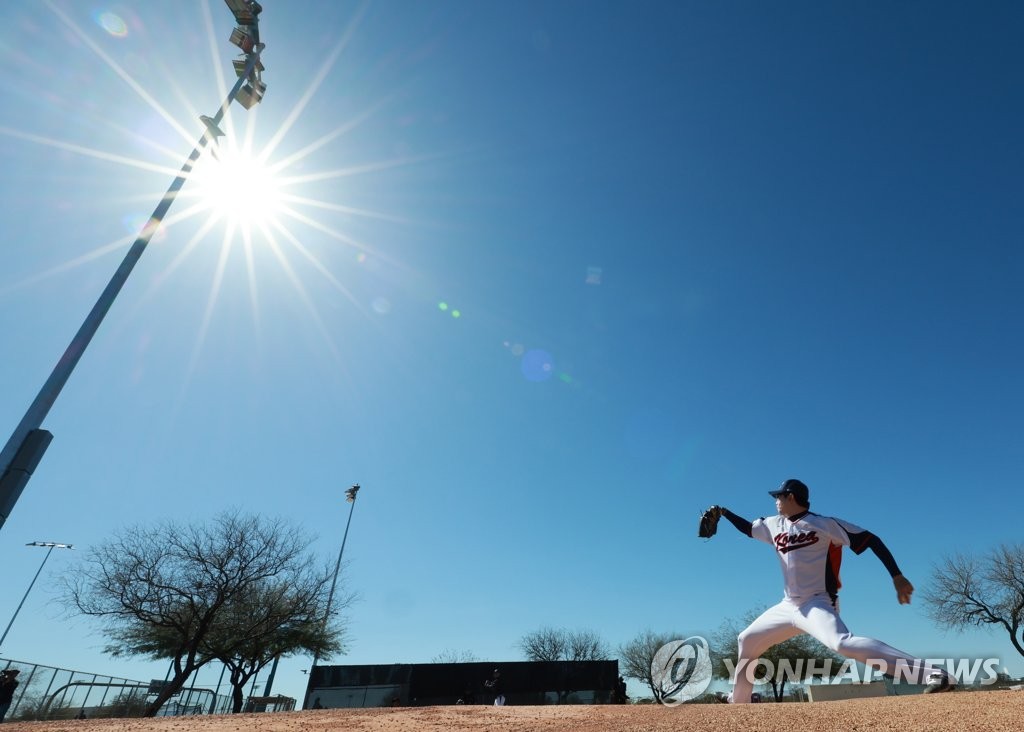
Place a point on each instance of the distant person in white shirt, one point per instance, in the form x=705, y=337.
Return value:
x=493, y=685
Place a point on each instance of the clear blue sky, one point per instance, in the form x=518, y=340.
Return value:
x=695, y=249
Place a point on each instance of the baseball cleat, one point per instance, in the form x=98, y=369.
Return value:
x=939, y=682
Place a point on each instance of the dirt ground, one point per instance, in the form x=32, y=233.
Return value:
x=968, y=711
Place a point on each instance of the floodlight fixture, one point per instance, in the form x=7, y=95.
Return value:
x=247, y=37
x=243, y=39
x=245, y=11
x=241, y=66
x=50, y=544
x=251, y=94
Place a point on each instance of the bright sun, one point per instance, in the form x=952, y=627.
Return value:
x=239, y=188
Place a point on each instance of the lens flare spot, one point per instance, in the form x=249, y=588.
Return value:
x=593, y=275
x=382, y=305
x=456, y=313
x=111, y=23
x=537, y=365
x=442, y=306
x=361, y=257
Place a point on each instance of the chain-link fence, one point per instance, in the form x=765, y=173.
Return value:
x=45, y=692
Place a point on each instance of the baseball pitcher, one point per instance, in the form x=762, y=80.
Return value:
x=809, y=548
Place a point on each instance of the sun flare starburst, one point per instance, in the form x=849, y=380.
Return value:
x=239, y=188
x=258, y=196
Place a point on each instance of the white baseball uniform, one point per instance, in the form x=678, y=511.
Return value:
x=809, y=548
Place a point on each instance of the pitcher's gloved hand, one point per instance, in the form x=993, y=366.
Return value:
x=709, y=522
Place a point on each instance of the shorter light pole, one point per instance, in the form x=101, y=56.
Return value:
x=51, y=546
x=350, y=496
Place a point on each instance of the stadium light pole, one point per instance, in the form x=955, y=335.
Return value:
x=51, y=546
x=27, y=444
x=350, y=496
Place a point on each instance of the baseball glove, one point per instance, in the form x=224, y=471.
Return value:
x=709, y=522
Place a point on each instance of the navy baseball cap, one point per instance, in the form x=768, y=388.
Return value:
x=795, y=488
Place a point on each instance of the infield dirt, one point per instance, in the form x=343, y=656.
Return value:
x=995, y=710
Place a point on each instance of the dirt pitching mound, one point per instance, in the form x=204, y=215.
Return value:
x=966, y=711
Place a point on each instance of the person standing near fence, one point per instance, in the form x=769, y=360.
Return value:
x=494, y=685
x=8, y=683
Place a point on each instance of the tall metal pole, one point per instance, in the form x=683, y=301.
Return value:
x=350, y=496
x=270, y=678
x=51, y=546
x=12, y=481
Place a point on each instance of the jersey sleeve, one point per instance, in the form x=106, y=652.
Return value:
x=851, y=535
x=760, y=530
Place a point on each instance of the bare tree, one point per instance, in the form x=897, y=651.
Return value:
x=545, y=644
x=560, y=644
x=637, y=655
x=986, y=591
x=789, y=654
x=586, y=645
x=175, y=591
x=450, y=656
x=273, y=619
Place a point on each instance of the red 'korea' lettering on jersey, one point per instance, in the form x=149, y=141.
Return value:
x=788, y=542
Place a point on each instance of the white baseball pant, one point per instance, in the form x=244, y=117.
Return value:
x=818, y=618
